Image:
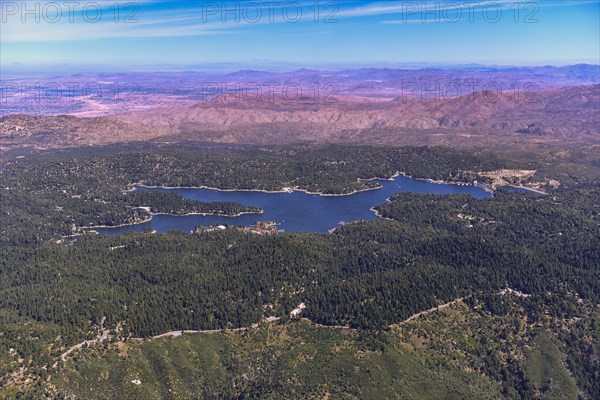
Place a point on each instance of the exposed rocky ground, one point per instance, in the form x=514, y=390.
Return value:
x=565, y=116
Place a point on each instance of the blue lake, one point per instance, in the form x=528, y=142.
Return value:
x=295, y=211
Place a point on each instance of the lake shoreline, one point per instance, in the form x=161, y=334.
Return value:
x=485, y=191
x=378, y=214
x=132, y=187
x=169, y=215
x=284, y=190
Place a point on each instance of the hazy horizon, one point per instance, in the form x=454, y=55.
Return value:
x=262, y=66
x=128, y=35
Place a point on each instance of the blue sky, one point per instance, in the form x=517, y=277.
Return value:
x=157, y=33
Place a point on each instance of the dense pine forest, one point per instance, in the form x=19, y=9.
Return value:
x=58, y=285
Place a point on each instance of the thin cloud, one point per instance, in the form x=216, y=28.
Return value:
x=408, y=7
x=156, y=21
x=148, y=23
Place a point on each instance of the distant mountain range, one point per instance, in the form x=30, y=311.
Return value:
x=90, y=95
x=564, y=116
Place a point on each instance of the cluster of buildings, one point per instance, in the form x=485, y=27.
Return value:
x=262, y=228
x=259, y=228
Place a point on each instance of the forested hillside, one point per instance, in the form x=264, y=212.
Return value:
x=55, y=293
x=488, y=347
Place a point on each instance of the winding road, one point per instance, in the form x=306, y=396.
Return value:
x=104, y=332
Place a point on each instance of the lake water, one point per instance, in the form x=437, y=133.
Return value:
x=295, y=211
